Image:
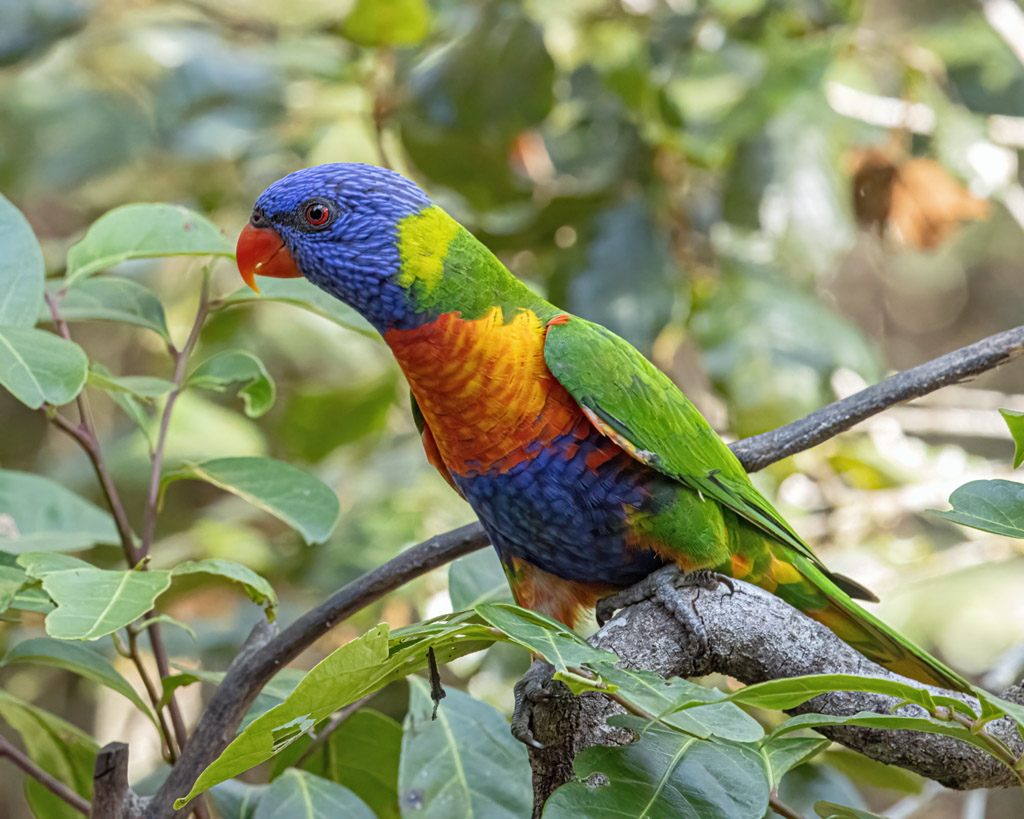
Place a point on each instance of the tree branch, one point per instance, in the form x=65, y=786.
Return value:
x=759, y=451
x=752, y=635
x=265, y=653
x=48, y=781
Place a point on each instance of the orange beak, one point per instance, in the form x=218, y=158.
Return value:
x=262, y=251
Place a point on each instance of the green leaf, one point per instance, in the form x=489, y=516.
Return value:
x=789, y=692
x=301, y=795
x=892, y=722
x=464, y=764
x=701, y=716
x=21, y=269
x=358, y=668
x=78, y=659
x=56, y=746
x=44, y=516
x=664, y=773
x=362, y=754
x=477, y=578
x=38, y=367
x=237, y=800
x=830, y=810
x=144, y=387
x=1015, y=421
x=339, y=679
x=299, y=499
x=172, y=683
x=92, y=603
x=258, y=588
x=231, y=366
x=387, y=22
x=12, y=580
x=867, y=771
x=143, y=231
x=109, y=299
x=781, y=754
x=304, y=294
x=995, y=506
x=557, y=643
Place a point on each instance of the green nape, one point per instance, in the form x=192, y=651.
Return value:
x=447, y=269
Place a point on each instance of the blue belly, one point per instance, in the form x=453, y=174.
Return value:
x=561, y=516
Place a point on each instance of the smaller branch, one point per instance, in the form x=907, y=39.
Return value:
x=85, y=435
x=156, y=641
x=170, y=748
x=180, y=363
x=782, y=808
x=759, y=451
x=48, y=781
x=325, y=733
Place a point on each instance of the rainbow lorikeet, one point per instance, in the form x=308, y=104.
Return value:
x=586, y=465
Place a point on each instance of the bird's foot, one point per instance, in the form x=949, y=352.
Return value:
x=663, y=585
x=534, y=687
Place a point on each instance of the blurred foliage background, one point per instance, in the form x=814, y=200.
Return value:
x=778, y=200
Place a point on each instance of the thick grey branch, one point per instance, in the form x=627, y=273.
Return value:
x=753, y=635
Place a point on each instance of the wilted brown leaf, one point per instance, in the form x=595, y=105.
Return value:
x=913, y=200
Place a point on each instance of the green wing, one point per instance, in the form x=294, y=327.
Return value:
x=638, y=406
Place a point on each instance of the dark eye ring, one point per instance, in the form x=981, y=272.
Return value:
x=317, y=214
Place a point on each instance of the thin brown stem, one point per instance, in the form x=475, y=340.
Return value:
x=782, y=808
x=85, y=435
x=156, y=640
x=180, y=363
x=170, y=747
x=48, y=781
x=325, y=733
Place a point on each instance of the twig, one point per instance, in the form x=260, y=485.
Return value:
x=325, y=733
x=133, y=653
x=180, y=358
x=255, y=666
x=48, y=781
x=85, y=435
x=782, y=808
x=759, y=451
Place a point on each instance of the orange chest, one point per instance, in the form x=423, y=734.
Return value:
x=484, y=389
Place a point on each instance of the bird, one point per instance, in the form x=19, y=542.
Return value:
x=586, y=465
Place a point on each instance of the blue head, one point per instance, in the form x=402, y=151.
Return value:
x=337, y=226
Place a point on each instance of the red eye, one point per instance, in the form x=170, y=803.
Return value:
x=317, y=214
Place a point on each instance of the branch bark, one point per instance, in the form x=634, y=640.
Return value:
x=266, y=652
x=752, y=635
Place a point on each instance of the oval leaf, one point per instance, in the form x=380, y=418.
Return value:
x=143, y=231
x=44, y=516
x=301, y=795
x=664, y=773
x=92, y=603
x=21, y=270
x=259, y=590
x=305, y=294
x=78, y=659
x=557, y=643
x=231, y=366
x=1015, y=422
x=110, y=299
x=465, y=763
x=387, y=22
x=992, y=506
x=38, y=367
x=302, y=501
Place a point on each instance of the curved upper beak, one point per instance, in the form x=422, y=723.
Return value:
x=262, y=251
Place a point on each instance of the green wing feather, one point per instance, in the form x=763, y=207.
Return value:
x=611, y=379
x=640, y=408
